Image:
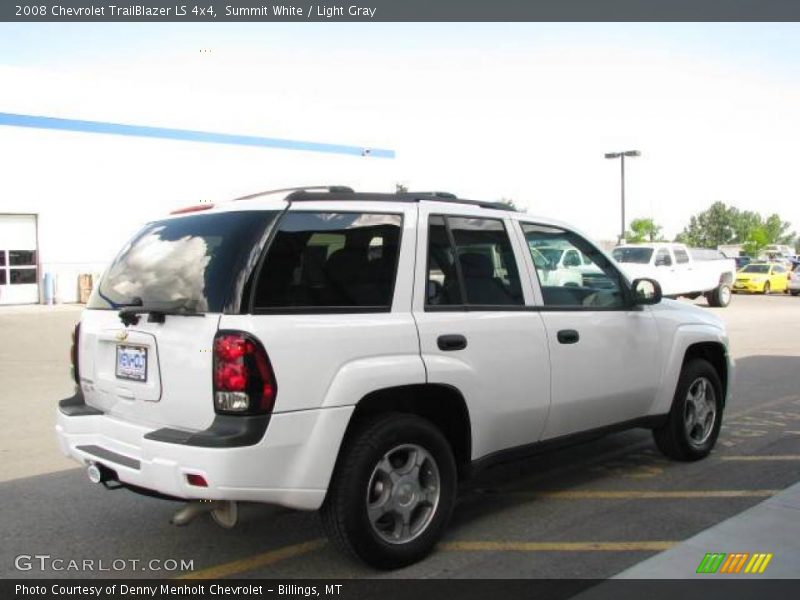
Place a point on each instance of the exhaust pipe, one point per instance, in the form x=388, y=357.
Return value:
x=224, y=512
x=101, y=474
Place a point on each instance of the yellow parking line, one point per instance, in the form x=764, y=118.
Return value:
x=646, y=494
x=762, y=458
x=254, y=562
x=489, y=546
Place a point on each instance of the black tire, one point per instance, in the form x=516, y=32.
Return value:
x=672, y=438
x=719, y=297
x=344, y=512
x=766, y=289
x=795, y=292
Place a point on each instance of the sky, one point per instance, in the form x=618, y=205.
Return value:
x=490, y=111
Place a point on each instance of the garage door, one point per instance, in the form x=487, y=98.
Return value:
x=18, y=273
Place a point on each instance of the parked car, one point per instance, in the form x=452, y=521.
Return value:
x=362, y=354
x=562, y=266
x=742, y=261
x=679, y=270
x=794, y=281
x=762, y=278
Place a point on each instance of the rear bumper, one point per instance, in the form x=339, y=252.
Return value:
x=289, y=466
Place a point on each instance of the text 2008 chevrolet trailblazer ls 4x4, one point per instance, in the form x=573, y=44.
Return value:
x=363, y=353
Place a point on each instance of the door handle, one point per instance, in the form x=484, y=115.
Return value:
x=448, y=343
x=568, y=336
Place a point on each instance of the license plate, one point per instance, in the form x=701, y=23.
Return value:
x=132, y=363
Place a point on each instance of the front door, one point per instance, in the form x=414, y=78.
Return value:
x=603, y=352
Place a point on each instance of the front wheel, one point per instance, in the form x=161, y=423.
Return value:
x=695, y=418
x=392, y=492
x=719, y=297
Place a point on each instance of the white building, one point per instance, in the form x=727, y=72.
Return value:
x=79, y=182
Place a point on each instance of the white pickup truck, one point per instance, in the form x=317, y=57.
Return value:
x=680, y=270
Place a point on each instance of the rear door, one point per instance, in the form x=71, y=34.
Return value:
x=477, y=331
x=332, y=303
x=157, y=371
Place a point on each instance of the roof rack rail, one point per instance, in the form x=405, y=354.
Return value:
x=341, y=189
x=345, y=194
x=436, y=194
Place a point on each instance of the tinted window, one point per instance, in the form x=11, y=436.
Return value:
x=332, y=260
x=443, y=284
x=193, y=260
x=778, y=269
x=681, y=256
x=596, y=285
x=486, y=262
x=756, y=269
x=663, y=259
x=632, y=255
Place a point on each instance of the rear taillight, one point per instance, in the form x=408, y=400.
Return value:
x=73, y=353
x=244, y=383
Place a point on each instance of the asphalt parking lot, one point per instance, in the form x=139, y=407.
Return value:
x=586, y=512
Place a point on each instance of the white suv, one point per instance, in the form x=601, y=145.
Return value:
x=363, y=353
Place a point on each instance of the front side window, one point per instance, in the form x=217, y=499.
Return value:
x=594, y=285
x=471, y=262
x=321, y=261
x=681, y=256
x=663, y=259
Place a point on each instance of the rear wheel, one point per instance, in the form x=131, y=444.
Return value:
x=393, y=491
x=719, y=297
x=695, y=419
x=795, y=292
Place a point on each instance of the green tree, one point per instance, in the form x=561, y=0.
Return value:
x=722, y=224
x=777, y=230
x=746, y=222
x=711, y=227
x=643, y=230
x=758, y=240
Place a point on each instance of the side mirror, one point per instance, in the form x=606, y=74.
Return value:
x=646, y=291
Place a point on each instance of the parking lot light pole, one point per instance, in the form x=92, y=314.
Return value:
x=621, y=156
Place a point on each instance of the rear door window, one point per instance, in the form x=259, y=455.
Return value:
x=330, y=261
x=470, y=261
x=681, y=256
x=194, y=260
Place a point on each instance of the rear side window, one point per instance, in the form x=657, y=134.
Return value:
x=681, y=256
x=193, y=260
x=470, y=262
x=336, y=260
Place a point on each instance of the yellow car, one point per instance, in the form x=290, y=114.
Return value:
x=762, y=278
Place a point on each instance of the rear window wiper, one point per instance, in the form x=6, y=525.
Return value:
x=129, y=315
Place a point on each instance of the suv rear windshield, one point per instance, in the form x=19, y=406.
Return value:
x=194, y=260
